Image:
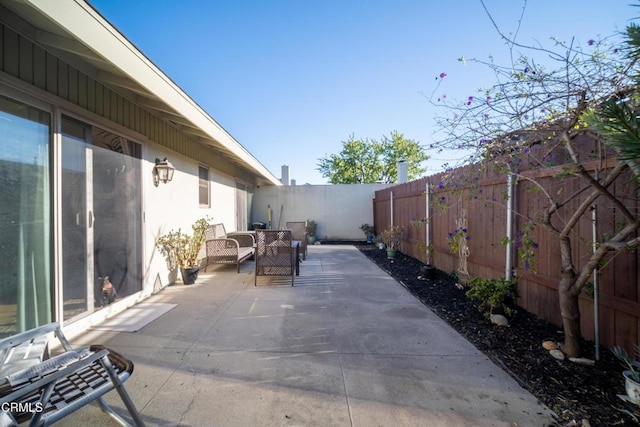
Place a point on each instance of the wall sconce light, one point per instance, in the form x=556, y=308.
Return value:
x=162, y=171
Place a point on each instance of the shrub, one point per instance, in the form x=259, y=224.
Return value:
x=492, y=293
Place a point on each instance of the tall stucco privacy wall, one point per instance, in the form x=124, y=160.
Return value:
x=339, y=209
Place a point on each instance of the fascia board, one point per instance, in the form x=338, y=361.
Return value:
x=84, y=23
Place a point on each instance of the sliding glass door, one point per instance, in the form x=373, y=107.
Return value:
x=25, y=217
x=101, y=217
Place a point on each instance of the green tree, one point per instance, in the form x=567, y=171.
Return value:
x=617, y=119
x=363, y=161
x=536, y=112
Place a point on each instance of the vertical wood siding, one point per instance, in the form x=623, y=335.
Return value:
x=31, y=63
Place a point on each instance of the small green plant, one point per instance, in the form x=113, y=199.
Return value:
x=311, y=227
x=367, y=229
x=629, y=363
x=424, y=249
x=181, y=249
x=456, y=238
x=391, y=237
x=454, y=276
x=491, y=294
x=525, y=245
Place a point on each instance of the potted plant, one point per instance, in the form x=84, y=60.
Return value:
x=631, y=373
x=391, y=239
x=311, y=231
x=183, y=250
x=368, y=232
x=427, y=271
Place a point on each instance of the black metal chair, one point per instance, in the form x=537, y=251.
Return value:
x=45, y=391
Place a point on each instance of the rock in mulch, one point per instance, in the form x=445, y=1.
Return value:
x=549, y=345
x=499, y=319
x=557, y=354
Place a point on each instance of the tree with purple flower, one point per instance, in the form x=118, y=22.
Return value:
x=541, y=104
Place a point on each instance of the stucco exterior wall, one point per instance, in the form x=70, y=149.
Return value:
x=175, y=205
x=339, y=210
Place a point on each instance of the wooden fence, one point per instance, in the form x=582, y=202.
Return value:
x=480, y=206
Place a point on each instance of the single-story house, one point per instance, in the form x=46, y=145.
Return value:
x=84, y=116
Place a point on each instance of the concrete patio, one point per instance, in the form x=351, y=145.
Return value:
x=346, y=346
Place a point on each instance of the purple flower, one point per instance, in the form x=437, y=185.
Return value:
x=443, y=75
x=441, y=185
x=469, y=100
x=527, y=266
x=526, y=70
x=590, y=42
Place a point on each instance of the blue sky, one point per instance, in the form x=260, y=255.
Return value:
x=290, y=80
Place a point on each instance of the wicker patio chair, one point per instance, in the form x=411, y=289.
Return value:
x=223, y=249
x=274, y=255
x=299, y=232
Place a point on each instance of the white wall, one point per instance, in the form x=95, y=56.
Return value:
x=175, y=205
x=339, y=210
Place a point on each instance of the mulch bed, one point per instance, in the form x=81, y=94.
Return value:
x=578, y=394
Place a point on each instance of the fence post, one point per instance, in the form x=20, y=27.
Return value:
x=508, y=269
x=428, y=222
x=596, y=301
x=391, y=207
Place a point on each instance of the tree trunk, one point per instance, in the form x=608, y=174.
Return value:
x=569, y=303
x=570, y=310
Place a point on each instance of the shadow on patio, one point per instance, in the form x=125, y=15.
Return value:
x=347, y=345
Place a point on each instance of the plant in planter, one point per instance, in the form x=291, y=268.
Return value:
x=427, y=271
x=368, y=231
x=311, y=231
x=392, y=238
x=183, y=250
x=492, y=294
x=377, y=240
x=631, y=373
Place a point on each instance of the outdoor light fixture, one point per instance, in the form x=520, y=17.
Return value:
x=162, y=171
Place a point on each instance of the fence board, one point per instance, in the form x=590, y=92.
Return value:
x=486, y=222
